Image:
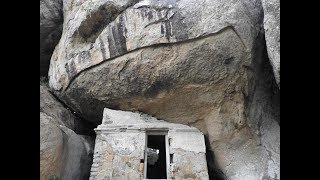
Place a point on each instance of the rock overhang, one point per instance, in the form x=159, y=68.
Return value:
x=138, y=31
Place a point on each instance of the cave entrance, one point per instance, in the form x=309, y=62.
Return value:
x=156, y=154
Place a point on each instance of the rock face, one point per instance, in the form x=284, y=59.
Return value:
x=271, y=25
x=52, y=108
x=55, y=109
x=154, y=30
x=250, y=151
x=263, y=111
x=63, y=153
x=51, y=147
x=199, y=63
x=165, y=81
x=51, y=21
x=144, y=24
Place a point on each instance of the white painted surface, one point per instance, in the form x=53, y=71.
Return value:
x=188, y=141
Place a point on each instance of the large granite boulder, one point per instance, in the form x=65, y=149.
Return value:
x=185, y=61
x=63, y=153
x=51, y=21
x=189, y=43
x=271, y=23
x=51, y=147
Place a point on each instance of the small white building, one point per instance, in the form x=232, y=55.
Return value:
x=137, y=146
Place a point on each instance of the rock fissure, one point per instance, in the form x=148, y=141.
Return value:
x=89, y=127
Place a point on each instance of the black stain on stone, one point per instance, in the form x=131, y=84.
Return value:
x=122, y=30
x=112, y=47
x=158, y=86
x=150, y=15
x=66, y=66
x=229, y=60
x=116, y=40
x=162, y=29
x=103, y=49
x=96, y=21
x=179, y=27
x=168, y=29
x=117, y=44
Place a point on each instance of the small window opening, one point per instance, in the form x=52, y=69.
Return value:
x=171, y=158
x=156, y=157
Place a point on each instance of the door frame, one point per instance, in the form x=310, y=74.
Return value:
x=156, y=132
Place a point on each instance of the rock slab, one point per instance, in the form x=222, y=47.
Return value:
x=63, y=153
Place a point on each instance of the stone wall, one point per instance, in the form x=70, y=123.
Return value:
x=117, y=156
x=189, y=156
x=120, y=145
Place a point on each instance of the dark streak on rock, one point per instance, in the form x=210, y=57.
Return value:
x=97, y=20
x=150, y=15
x=122, y=30
x=67, y=68
x=168, y=29
x=162, y=29
x=112, y=48
x=179, y=27
x=159, y=85
x=229, y=60
x=117, y=44
x=103, y=50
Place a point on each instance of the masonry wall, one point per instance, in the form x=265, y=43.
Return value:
x=189, y=158
x=120, y=145
x=117, y=156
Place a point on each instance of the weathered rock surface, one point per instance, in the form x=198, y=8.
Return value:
x=51, y=147
x=51, y=107
x=51, y=21
x=54, y=108
x=252, y=150
x=165, y=81
x=77, y=155
x=151, y=24
x=63, y=153
x=263, y=113
x=144, y=24
x=271, y=9
x=184, y=61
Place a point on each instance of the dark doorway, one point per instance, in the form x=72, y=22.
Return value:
x=156, y=160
